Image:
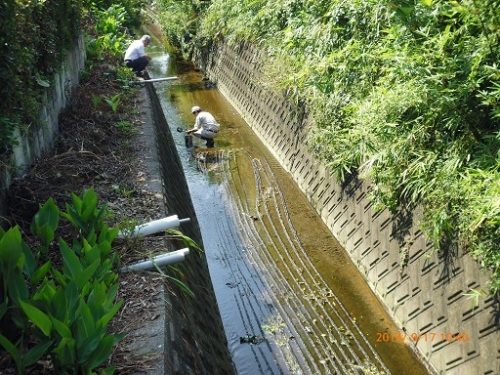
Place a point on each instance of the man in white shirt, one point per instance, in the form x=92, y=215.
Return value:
x=135, y=56
x=205, y=126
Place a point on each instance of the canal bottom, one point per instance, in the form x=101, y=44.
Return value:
x=290, y=298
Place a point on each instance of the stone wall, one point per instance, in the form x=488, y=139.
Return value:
x=195, y=340
x=39, y=137
x=426, y=297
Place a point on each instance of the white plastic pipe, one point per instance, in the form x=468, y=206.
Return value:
x=160, y=260
x=155, y=80
x=153, y=227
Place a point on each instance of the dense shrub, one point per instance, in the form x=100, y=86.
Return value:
x=35, y=35
x=405, y=94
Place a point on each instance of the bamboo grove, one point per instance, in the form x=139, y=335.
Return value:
x=405, y=94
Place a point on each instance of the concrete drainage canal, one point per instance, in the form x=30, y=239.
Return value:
x=290, y=299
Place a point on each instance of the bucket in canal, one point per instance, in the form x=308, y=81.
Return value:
x=188, y=140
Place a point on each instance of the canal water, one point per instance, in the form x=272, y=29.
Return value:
x=290, y=299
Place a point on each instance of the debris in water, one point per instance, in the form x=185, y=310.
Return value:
x=251, y=339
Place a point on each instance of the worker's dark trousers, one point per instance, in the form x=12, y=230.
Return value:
x=137, y=65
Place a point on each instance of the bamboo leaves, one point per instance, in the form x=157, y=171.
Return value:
x=406, y=93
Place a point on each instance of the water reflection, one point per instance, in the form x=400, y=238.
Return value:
x=290, y=299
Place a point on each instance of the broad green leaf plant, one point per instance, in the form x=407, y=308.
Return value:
x=61, y=312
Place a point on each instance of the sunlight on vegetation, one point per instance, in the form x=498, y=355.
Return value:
x=59, y=284
x=404, y=94
x=61, y=309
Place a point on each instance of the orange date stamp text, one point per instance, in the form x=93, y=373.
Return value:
x=422, y=337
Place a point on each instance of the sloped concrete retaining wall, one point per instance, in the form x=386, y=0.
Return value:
x=426, y=297
x=39, y=137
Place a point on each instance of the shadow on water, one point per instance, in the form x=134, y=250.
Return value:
x=291, y=300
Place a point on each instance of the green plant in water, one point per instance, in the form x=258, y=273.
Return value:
x=370, y=369
x=274, y=325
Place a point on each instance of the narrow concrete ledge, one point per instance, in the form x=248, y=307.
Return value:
x=194, y=341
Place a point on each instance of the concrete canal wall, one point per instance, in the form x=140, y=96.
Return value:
x=426, y=297
x=195, y=342
x=39, y=137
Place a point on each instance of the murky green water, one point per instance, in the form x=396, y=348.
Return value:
x=290, y=299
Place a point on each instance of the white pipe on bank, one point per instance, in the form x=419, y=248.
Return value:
x=160, y=260
x=154, y=80
x=153, y=227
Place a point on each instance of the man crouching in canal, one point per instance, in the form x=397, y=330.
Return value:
x=205, y=126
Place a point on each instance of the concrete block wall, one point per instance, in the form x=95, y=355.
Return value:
x=39, y=137
x=426, y=297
